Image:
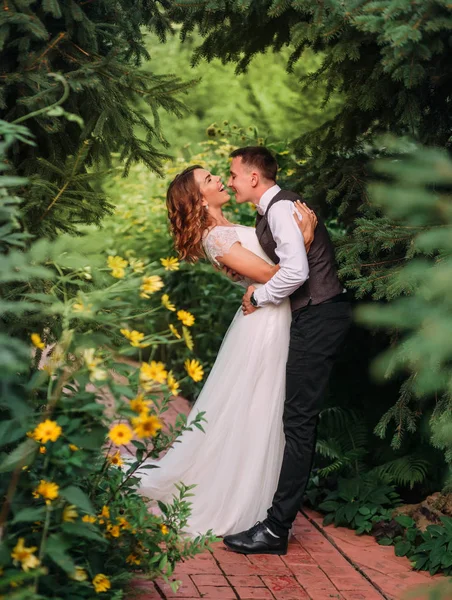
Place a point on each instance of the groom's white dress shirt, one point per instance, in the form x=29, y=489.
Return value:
x=290, y=248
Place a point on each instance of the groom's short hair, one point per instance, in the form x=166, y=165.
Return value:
x=260, y=158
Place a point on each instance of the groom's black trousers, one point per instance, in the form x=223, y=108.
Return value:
x=316, y=334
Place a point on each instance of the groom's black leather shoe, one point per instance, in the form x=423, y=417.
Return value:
x=256, y=540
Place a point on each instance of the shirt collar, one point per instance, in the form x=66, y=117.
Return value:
x=266, y=198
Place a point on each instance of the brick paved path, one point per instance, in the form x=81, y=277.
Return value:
x=322, y=564
x=315, y=568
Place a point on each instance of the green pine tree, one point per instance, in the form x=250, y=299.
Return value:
x=96, y=49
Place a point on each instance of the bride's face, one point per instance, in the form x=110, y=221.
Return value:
x=213, y=191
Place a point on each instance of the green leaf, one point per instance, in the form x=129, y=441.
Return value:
x=56, y=550
x=91, y=439
x=76, y=496
x=84, y=531
x=20, y=456
x=386, y=541
x=26, y=515
x=10, y=431
x=402, y=548
x=405, y=521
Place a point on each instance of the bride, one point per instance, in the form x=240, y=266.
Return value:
x=236, y=463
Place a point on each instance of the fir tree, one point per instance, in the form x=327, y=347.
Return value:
x=98, y=48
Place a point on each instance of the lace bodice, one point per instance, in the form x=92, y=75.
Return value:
x=219, y=240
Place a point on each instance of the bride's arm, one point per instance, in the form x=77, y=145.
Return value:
x=239, y=260
x=247, y=264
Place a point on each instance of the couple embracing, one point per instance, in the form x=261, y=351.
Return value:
x=264, y=393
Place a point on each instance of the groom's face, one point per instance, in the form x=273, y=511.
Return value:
x=241, y=181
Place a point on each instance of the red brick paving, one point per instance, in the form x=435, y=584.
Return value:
x=323, y=563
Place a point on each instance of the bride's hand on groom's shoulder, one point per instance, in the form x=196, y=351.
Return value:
x=306, y=223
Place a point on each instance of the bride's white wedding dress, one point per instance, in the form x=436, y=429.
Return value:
x=235, y=464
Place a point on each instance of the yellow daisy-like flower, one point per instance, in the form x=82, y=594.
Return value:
x=89, y=519
x=172, y=384
x=36, y=341
x=171, y=263
x=79, y=307
x=146, y=425
x=113, y=530
x=150, y=285
x=134, y=337
x=187, y=338
x=167, y=304
x=115, y=459
x=95, y=374
x=123, y=523
x=42, y=450
x=69, y=513
x=155, y=371
x=133, y=559
x=23, y=555
x=48, y=490
x=73, y=447
x=187, y=318
x=137, y=265
x=117, y=266
x=164, y=529
x=120, y=434
x=174, y=331
x=140, y=405
x=194, y=369
x=101, y=583
x=47, y=431
x=79, y=574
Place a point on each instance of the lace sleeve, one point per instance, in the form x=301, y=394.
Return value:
x=218, y=242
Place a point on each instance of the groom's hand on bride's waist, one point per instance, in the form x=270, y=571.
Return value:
x=247, y=307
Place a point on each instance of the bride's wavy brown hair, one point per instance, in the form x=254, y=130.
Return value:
x=188, y=217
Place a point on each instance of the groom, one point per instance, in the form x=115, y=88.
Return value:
x=321, y=317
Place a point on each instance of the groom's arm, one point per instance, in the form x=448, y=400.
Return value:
x=290, y=248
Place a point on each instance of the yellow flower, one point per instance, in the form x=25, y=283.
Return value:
x=120, y=434
x=137, y=265
x=171, y=263
x=113, y=530
x=79, y=574
x=150, y=285
x=47, y=489
x=174, y=331
x=133, y=559
x=101, y=583
x=155, y=371
x=73, y=447
x=173, y=385
x=89, y=519
x=194, y=369
x=105, y=512
x=146, y=425
x=115, y=459
x=92, y=363
x=42, y=449
x=36, y=341
x=166, y=303
x=134, y=337
x=79, y=307
x=123, y=523
x=69, y=513
x=187, y=337
x=23, y=555
x=140, y=405
x=47, y=431
x=117, y=266
x=186, y=317
x=164, y=529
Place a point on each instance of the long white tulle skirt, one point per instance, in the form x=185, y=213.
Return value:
x=235, y=464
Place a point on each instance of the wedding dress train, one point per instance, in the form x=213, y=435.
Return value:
x=235, y=464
